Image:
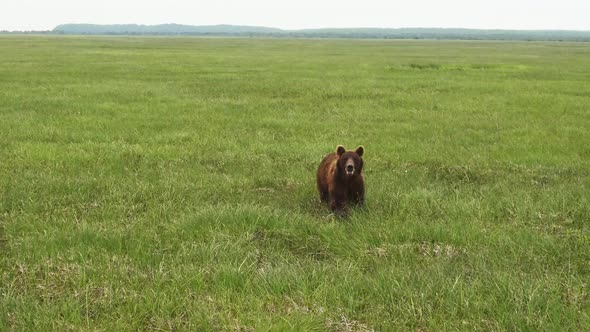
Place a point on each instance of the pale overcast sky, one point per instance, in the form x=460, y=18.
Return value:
x=300, y=14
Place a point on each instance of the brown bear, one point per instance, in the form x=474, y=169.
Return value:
x=340, y=179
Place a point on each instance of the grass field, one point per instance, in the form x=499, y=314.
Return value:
x=168, y=184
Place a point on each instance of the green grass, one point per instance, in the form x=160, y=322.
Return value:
x=168, y=183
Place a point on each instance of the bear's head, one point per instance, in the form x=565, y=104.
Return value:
x=350, y=163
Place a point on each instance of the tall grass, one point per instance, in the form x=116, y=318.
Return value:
x=168, y=183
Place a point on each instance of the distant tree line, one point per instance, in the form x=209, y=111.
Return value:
x=375, y=33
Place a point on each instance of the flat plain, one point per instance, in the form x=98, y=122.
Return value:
x=169, y=184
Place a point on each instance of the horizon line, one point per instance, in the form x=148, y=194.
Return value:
x=299, y=29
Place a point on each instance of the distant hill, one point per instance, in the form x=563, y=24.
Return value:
x=161, y=29
x=380, y=33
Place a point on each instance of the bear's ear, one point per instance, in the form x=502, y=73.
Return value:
x=360, y=150
x=340, y=150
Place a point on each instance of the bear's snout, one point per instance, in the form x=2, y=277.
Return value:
x=350, y=167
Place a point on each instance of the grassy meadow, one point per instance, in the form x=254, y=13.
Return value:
x=169, y=184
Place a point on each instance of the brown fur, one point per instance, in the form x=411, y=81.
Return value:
x=336, y=186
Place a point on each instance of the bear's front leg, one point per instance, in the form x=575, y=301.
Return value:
x=358, y=194
x=337, y=204
x=324, y=196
